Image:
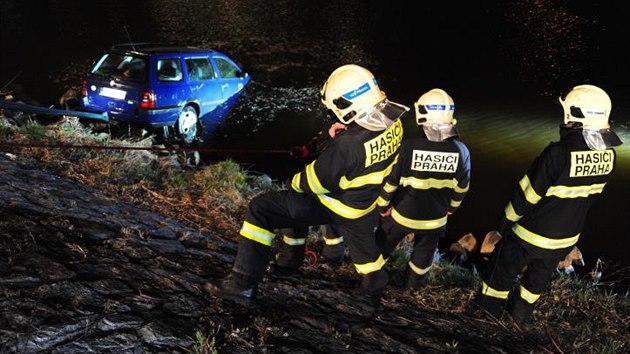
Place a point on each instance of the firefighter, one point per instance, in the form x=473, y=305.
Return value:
x=427, y=184
x=290, y=255
x=340, y=187
x=543, y=220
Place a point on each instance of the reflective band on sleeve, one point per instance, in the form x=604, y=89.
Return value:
x=462, y=190
x=528, y=296
x=575, y=192
x=343, y=210
x=367, y=268
x=295, y=183
x=257, y=234
x=488, y=291
x=371, y=178
x=511, y=214
x=313, y=182
x=389, y=188
x=418, y=270
x=333, y=241
x=456, y=203
x=418, y=224
x=382, y=202
x=293, y=241
x=428, y=183
x=530, y=194
x=544, y=242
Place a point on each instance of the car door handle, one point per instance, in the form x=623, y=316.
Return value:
x=224, y=86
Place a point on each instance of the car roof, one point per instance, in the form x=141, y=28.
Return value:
x=148, y=48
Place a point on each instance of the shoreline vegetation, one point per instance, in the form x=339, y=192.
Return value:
x=586, y=313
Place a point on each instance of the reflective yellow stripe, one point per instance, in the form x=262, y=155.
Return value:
x=382, y=202
x=456, y=203
x=333, y=241
x=462, y=190
x=341, y=209
x=530, y=193
x=389, y=188
x=293, y=241
x=543, y=242
x=511, y=214
x=257, y=234
x=528, y=296
x=367, y=268
x=295, y=183
x=576, y=192
x=418, y=224
x=371, y=178
x=428, y=183
x=488, y=291
x=418, y=270
x=313, y=182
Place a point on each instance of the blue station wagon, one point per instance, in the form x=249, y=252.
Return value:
x=171, y=89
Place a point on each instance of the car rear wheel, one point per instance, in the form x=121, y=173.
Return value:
x=187, y=126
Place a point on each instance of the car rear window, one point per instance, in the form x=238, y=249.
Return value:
x=126, y=67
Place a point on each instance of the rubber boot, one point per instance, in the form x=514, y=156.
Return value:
x=490, y=305
x=236, y=287
x=416, y=281
x=289, y=259
x=371, y=290
x=520, y=311
x=333, y=254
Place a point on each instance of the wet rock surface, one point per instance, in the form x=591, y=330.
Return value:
x=82, y=271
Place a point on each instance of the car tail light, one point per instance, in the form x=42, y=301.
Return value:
x=148, y=100
x=84, y=88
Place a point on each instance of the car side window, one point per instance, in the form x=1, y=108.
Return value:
x=227, y=69
x=169, y=70
x=199, y=69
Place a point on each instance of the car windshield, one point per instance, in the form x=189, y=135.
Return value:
x=127, y=67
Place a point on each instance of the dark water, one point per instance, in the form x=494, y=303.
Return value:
x=504, y=63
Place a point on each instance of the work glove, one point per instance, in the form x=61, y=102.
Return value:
x=299, y=152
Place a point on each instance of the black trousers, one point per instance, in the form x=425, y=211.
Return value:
x=424, y=242
x=510, y=257
x=282, y=209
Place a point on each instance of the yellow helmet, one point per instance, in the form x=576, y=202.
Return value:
x=434, y=107
x=588, y=105
x=350, y=91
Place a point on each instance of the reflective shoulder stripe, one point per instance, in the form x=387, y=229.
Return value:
x=575, y=192
x=511, y=214
x=417, y=183
x=295, y=182
x=313, y=182
x=389, y=188
x=461, y=190
x=530, y=194
x=528, y=295
x=367, y=268
x=257, y=234
x=293, y=241
x=418, y=270
x=376, y=177
x=543, y=242
x=382, y=202
x=418, y=224
x=343, y=210
x=333, y=241
x=488, y=291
